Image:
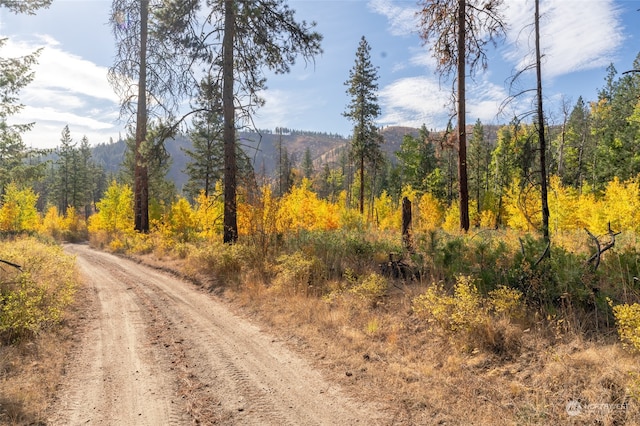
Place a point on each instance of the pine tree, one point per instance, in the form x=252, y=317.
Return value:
x=15, y=74
x=459, y=31
x=65, y=171
x=237, y=41
x=205, y=167
x=479, y=162
x=362, y=110
x=307, y=164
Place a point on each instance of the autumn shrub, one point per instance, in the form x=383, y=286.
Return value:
x=301, y=209
x=430, y=213
x=370, y=289
x=297, y=273
x=182, y=221
x=74, y=226
x=387, y=214
x=471, y=320
x=52, y=224
x=33, y=297
x=222, y=263
x=209, y=212
x=628, y=323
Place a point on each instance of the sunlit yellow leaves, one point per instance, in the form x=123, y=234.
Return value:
x=302, y=209
x=18, y=212
x=431, y=213
x=114, y=217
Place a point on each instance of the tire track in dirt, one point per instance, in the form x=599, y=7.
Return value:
x=225, y=368
x=115, y=377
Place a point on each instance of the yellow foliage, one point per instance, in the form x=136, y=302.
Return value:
x=522, y=207
x=74, y=226
x=115, y=211
x=18, y=212
x=564, y=211
x=36, y=296
x=460, y=312
x=302, y=209
x=209, y=213
x=468, y=315
x=452, y=218
x=628, y=321
x=52, y=223
x=371, y=289
x=182, y=219
x=621, y=206
x=430, y=213
x=388, y=215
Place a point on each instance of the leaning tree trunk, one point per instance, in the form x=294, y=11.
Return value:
x=541, y=136
x=462, y=136
x=230, y=232
x=140, y=172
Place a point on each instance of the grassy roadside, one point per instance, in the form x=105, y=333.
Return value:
x=38, y=319
x=471, y=365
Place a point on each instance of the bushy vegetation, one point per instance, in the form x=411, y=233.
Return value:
x=34, y=296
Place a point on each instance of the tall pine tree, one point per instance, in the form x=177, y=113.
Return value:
x=362, y=110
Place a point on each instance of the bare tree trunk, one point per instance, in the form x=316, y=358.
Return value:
x=563, y=137
x=140, y=173
x=406, y=224
x=541, y=136
x=362, y=184
x=462, y=136
x=230, y=233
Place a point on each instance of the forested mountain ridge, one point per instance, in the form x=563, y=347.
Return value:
x=263, y=147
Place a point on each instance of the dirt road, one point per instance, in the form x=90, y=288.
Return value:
x=156, y=350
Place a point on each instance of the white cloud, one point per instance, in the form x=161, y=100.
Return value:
x=575, y=35
x=422, y=100
x=66, y=90
x=288, y=108
x=401, y=15
x=414, y=101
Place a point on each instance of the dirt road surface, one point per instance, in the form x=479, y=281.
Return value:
x=156, y=350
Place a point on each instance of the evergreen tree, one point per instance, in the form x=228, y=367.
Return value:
x=146, y=55
x=307, y=164
x=237, y=40
x=459, y=31
x=205, y=165
x=162, y=192
x=479, y=163
x=65, y=172
x=362, y=110
x=89, y=175
x=15, y=74
x=576, y=148
x=417, y=158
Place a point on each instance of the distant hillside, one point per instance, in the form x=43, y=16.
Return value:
x=263, y=149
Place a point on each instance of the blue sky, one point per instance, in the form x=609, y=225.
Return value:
x=580, y=39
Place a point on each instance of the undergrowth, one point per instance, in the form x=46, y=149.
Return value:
x=484, y=312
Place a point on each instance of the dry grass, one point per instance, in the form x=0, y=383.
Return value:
x=529, y=372
x=32, y=370
x=386, y=353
